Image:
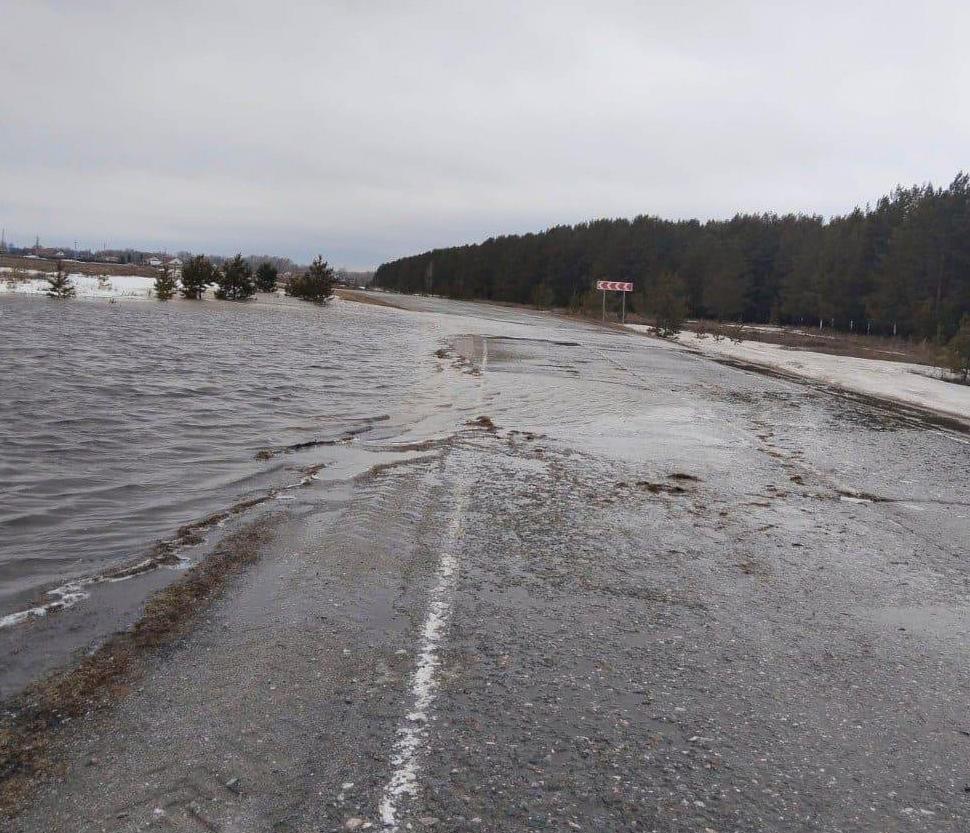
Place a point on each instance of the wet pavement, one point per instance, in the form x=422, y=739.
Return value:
x=649, y=592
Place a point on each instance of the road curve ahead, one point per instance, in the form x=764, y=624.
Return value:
x=648, y=592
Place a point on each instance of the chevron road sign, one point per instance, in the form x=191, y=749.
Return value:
x=614, y=286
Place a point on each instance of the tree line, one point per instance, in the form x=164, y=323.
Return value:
x=236, y=280
x=901, y=267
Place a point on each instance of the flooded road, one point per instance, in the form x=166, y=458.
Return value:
x=128, y=432
x=586, y=580
x=120, y=423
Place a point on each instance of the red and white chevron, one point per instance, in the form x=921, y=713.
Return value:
x=614, y=286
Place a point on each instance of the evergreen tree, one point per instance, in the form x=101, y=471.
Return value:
x=726, y=281
x=542, y=296
x=165, y=284
x=666, y=302
x=316, y=284
x=958, y=350
x=235, y=280
x=266, y=276
x=197, y=275
x=59, y=285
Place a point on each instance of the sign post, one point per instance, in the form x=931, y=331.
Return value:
x=614, y=286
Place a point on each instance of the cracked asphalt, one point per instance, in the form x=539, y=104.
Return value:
x=689, y=598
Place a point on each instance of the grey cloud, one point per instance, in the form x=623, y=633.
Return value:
x=372, y=130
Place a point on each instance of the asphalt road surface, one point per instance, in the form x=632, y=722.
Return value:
x=650, y=593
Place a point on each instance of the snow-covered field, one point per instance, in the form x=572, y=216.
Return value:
x=87, y=286
x=909, y=384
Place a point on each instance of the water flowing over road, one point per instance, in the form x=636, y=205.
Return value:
x=572, y=579
x=129, y=431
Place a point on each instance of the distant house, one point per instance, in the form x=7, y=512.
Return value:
x=154, y=261
x=175, y=264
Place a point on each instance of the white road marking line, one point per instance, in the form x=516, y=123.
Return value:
x=424, y=682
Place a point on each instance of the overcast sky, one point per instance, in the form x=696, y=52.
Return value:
x=370, y=130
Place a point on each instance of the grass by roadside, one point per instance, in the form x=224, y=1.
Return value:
x=364, y=298
x=831, y=342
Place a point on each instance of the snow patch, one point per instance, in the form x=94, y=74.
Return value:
x=86, y=286
x=908, y=384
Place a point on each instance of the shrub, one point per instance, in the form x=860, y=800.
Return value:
x=59, y=285
x=235, y=280
x=315, y=285
x=958, y=350
x=197, y=275
x=266, y=275
x=543, y=296
x=666, y=301
x=165, y=284
x=587, y=303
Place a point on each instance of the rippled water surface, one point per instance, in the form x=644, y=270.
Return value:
x=121, y=422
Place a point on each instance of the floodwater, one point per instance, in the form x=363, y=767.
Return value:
x=135, y=436
x=638, y=583
x=119, y=423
